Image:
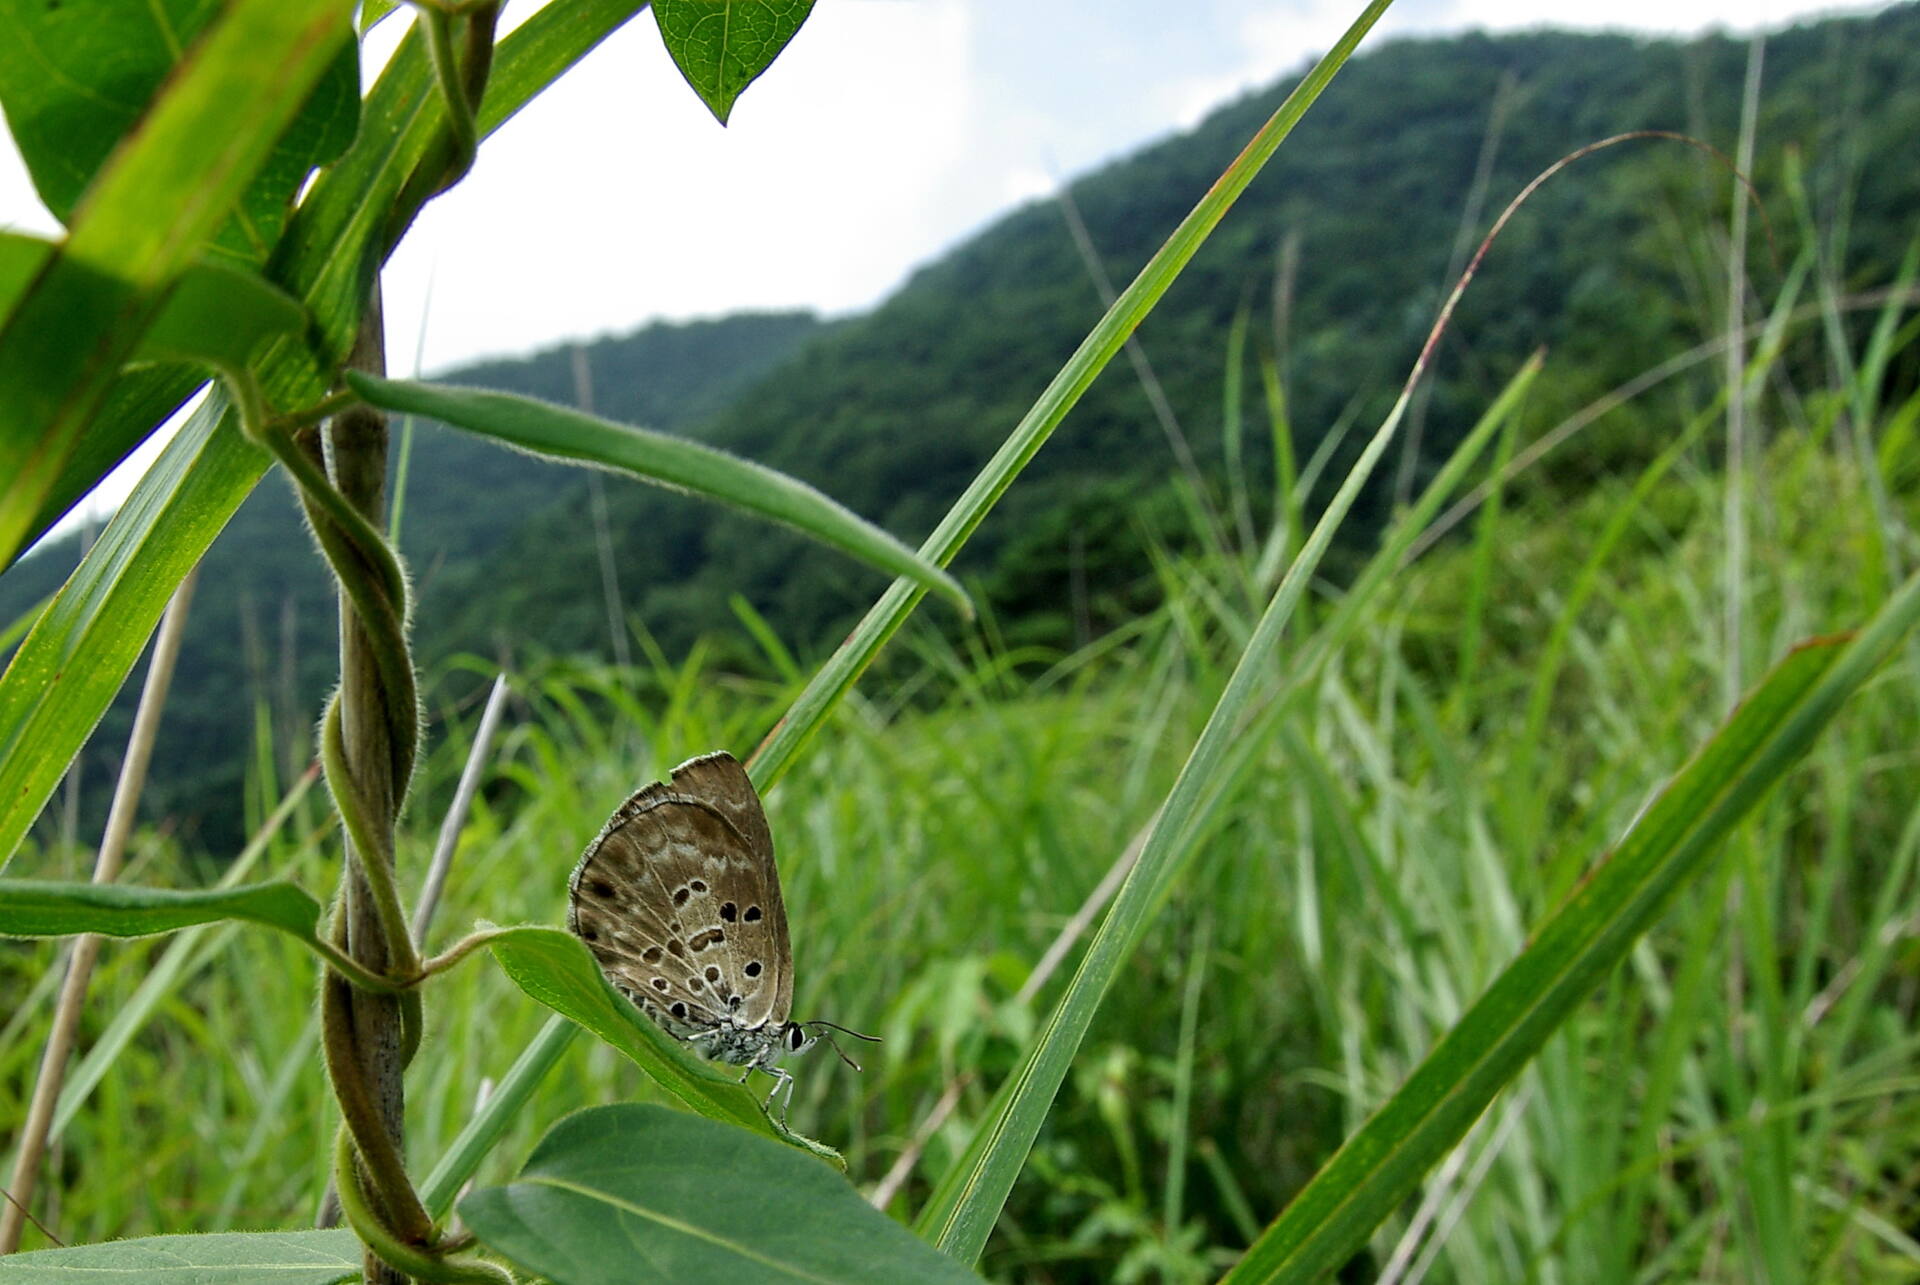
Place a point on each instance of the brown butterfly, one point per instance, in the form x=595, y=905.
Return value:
x=679, y=901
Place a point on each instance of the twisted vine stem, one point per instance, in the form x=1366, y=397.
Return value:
x=370, y=734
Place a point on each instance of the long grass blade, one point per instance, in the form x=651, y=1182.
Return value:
x=663, y=459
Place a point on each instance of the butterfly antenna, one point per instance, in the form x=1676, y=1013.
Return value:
x=834, y=1026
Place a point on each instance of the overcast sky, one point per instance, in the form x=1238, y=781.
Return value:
x=887, y=131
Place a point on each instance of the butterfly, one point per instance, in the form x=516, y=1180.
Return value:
x=679, y=902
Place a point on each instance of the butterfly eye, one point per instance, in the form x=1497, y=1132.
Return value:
x=797, y=1038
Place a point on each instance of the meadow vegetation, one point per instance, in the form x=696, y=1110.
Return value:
x=1736, y=1102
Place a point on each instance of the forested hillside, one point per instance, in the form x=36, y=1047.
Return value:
x=895, y=411
x=1339, y=254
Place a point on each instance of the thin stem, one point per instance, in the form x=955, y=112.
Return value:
x=350, y=968
x=366, y=570
x=449, y=158
x=492, y=1119
x=460, y=950
x=456, y=817
x=440, y=24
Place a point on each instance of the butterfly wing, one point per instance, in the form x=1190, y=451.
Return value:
x=679, y=903
x=756, y=926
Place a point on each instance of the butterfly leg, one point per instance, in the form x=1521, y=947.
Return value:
x=782, y=1080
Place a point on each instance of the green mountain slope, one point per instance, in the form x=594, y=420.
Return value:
x=1611, y=267
x=895, y=411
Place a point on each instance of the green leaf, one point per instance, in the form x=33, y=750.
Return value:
x=657, y=457
x=146, y=216
x=44, y=908
x=75, y=79
x=554, y=968
x=214, y=315
x=1674, y=840
x=622, y=1193
x=219, y=316
x=964, y=1208
x=720, y=46
x=225, y=1258
x=21, y=258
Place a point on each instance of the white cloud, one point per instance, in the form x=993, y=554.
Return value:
x=616, y=197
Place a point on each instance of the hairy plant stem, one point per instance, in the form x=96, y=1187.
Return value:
x=369, y=742
x=370, y=735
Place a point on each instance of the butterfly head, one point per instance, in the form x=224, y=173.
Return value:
x=801, y=1036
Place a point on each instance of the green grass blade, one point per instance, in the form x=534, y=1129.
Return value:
x=1397, y=543
x=1106, y=339
x=670, y=461
x=1572, y=952
x=967, y=1202
x=218, y=315
x=81, y=648
x=491, y=1122
x=139, y=402
x=17, y=629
